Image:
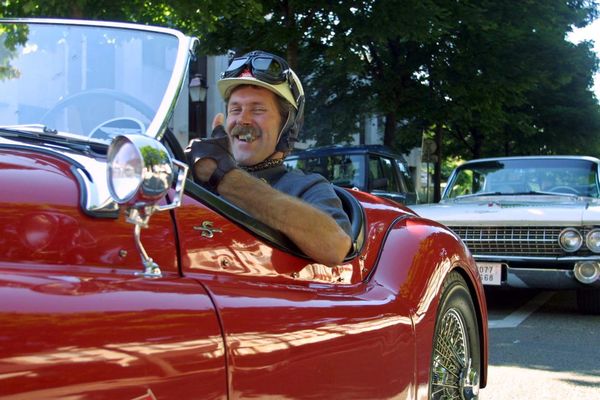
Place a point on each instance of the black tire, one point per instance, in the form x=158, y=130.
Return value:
x=588, y=301
x=456, y=358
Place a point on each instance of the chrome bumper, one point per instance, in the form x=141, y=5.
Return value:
x=543, y=277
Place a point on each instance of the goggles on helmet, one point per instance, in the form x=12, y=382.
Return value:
x=265, y=67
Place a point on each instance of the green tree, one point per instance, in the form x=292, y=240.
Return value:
x=502, y=67
x=491, y=73
x=484, y=77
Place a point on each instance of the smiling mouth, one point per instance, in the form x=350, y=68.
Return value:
x=246, y=134
x=247, y=137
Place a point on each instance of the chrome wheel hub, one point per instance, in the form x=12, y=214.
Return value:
x=453, y=376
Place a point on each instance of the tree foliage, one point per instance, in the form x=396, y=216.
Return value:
x=484, y=77
x=509, y=61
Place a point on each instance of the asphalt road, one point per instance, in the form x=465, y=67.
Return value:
x=541, y=347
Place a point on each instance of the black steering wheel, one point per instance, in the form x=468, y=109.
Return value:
x=563, y=189
x=118, y=95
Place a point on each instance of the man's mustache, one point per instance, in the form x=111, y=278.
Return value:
x=247, y=133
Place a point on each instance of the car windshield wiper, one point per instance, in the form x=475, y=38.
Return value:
x=529, y=192
x=540, y=192
x=481, y=194
x=36, y=133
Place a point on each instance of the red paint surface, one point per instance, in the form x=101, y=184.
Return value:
x=237, y=317
x=87, y=335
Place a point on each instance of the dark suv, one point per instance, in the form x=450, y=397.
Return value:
x=370, y=168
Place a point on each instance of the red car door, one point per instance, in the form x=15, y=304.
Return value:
x=75, y=319
x=94, y=335
x=295, y=329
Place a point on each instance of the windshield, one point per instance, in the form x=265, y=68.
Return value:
x=525, y=176
x=341, y=170
x=90, y=81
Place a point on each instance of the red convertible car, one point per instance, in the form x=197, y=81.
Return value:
x=122, y=279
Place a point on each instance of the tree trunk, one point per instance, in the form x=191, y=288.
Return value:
x=390, y=129
x=292, y=44
x=361, y=131
x=477, y=143
x=76, y=11
x=437, y=167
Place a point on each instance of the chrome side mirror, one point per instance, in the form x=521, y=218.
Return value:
x=140, y=173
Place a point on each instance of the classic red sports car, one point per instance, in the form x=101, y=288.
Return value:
x=122, y=279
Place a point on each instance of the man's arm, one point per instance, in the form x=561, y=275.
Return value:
x=314, y=232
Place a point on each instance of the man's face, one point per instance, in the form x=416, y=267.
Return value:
x=253, y=124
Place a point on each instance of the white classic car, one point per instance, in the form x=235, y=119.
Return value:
x=530, y=222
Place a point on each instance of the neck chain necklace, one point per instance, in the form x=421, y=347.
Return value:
x=272, y=162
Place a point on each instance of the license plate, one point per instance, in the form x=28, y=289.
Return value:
x=490, y=273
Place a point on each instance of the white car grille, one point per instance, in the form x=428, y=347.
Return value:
x=514, y=240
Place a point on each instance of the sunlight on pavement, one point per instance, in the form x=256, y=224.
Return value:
x=525, y=383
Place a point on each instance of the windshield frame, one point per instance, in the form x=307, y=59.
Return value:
x=185, y=47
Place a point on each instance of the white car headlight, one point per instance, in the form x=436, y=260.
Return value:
x=570, y=240
x=592, y=240
x=139, y=169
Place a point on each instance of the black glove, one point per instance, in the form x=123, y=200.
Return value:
x=216, y=147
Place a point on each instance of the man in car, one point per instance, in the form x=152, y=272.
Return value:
x=243, y=161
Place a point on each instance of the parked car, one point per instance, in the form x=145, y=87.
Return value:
x=120, y=278
x=371, y=168
x=530, y=222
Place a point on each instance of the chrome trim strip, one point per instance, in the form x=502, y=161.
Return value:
x=95, y=200
x=81, y=22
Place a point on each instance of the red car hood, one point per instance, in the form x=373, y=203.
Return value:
x=38, y=203
x=42, y=221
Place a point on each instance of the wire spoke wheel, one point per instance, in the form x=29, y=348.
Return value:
x=455, y=357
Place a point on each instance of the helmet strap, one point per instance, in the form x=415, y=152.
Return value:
x=283, y=140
